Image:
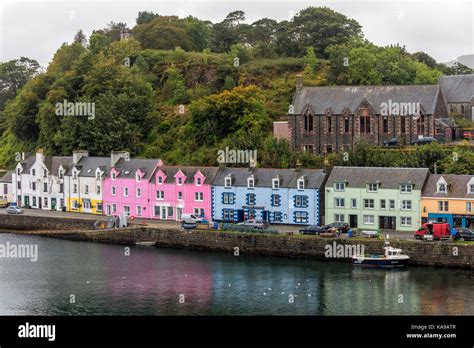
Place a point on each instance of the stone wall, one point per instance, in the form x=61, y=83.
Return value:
x=421, y=253
x=27, y=222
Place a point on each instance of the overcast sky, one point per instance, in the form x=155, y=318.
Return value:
x=36, y=29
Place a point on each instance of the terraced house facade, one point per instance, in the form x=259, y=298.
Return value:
x=279, y=196
x=375, y=198
x=449, y=198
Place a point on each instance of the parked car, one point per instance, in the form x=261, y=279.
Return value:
x=391, y=143
x=424, y=141
x=190, y=218
x=14, y=210
x=3, y=203
x=188, y=225
x=312, y=230
x=258, y=224
x=342, y=227
x=463, y=234
x=468, y=135
x=433, y=231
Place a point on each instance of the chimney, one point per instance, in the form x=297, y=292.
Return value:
x=39, y=155
x=115, y=156
x=77, y=155
x=299, y=82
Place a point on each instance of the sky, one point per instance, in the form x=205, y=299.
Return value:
x=36, y=29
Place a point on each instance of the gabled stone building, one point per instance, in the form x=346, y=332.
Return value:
x=327, y=119
x=459, y=93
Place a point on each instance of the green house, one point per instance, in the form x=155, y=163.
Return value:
x=386, y=199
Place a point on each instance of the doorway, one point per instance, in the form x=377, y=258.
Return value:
x=353, y=221
x=387, y=223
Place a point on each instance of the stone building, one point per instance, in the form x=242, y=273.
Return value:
x=459, y=93
x=327, y=119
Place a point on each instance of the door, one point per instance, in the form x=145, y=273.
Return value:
x=353, y=221
x=53, y=203
x=179, y=212
x=163, y=213
x=387, y=223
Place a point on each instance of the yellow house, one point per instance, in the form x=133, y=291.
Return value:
x=449, y=198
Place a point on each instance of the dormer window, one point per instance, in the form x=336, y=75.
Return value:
x=97, y=175
x=74, y=173
x=372, y=187
x=61, y=173
x=228, y=181
x=250, y=182
x=33, y=172
x=180, y=181
x=275, y=183
x=160, y=180
x=138, y=177
x=470, y=186
x=113, y=176
x=405, y=188
x=300, y=183
x=18, y=171
x=45, y=173
x=442, y=188
x=339, y=186
x=198, y=182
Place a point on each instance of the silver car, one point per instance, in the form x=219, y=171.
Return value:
x=14, y=210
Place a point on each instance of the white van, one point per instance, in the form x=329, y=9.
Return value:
x=190, y=218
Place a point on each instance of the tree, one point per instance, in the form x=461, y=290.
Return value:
x=425, y=58
x=146, y=17
x=80, y=38
x=174, y=88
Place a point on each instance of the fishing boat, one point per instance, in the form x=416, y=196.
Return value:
x=145, y=243
x=391, y=258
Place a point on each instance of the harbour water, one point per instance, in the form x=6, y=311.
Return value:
x=78, y=278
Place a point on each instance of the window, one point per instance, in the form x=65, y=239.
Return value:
x=198, y=196
x=45, y=200
x=114, y=208
x=137, y=177
x=125, y=191
x=405, y=188
x=420, y=124
x=126, y=210
x=251, y=198
x=98, y=189
x=180, y=195
x=369, y=220
x=160, y=195
x=383, y=204
x=403, y=128
x=199, y=212
x=300, y=217
x=33, y=172
x=338, y=217
x=228, y=214
x=301, y=201
x=227, y=198
x=391, y=204
x=99, y=207
x=108, y=212
x=19, y=185
x=339, y=186
x=368, y=203
x=443, y=205
x=74, y=188
x=300, y=184
x=250, y=182
x=86, y=189
x=329, y=124
x=113, y=190
x=198, y=182
x=372, y=187
x=180, y=181
x=276, y=200
x=364, y=124
x=469, y=206
x=308, y=148
x=346, y=125
x=339, y=202
x=113, y=175
x=75, y=204
x=385, y=124
x=139, y=210
x=45, y=187
x=406, y=205
x=33, y=186
x=442, y=188
x=308, y=123
x=405, y=221
x=275, y=183
x=97, y=175
x=277, y=216
x=228, y=181
x=18, y=171
x=354, y=203
x=160, y=180
x=471, y=188
x=139, y=192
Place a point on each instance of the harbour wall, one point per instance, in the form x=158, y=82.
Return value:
x=439, y=254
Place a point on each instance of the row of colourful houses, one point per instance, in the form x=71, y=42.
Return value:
x=368, y=198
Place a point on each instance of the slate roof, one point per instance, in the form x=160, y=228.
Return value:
x=340, y=97
x=457, y=186
x=170, y=171
x=127, y=169
x=457, y=88
x=314, y=178
x=27, y=163
x=88, y=165
x=389, y=178
x=54, y=162
x=7, y=177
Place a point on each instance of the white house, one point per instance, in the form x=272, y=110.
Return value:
x=6, y=191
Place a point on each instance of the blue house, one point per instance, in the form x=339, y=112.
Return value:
x=279, y=196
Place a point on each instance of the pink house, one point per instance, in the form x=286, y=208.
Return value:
x=178, y=190
x=127, y=185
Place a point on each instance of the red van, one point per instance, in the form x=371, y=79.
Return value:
x=434, y=230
